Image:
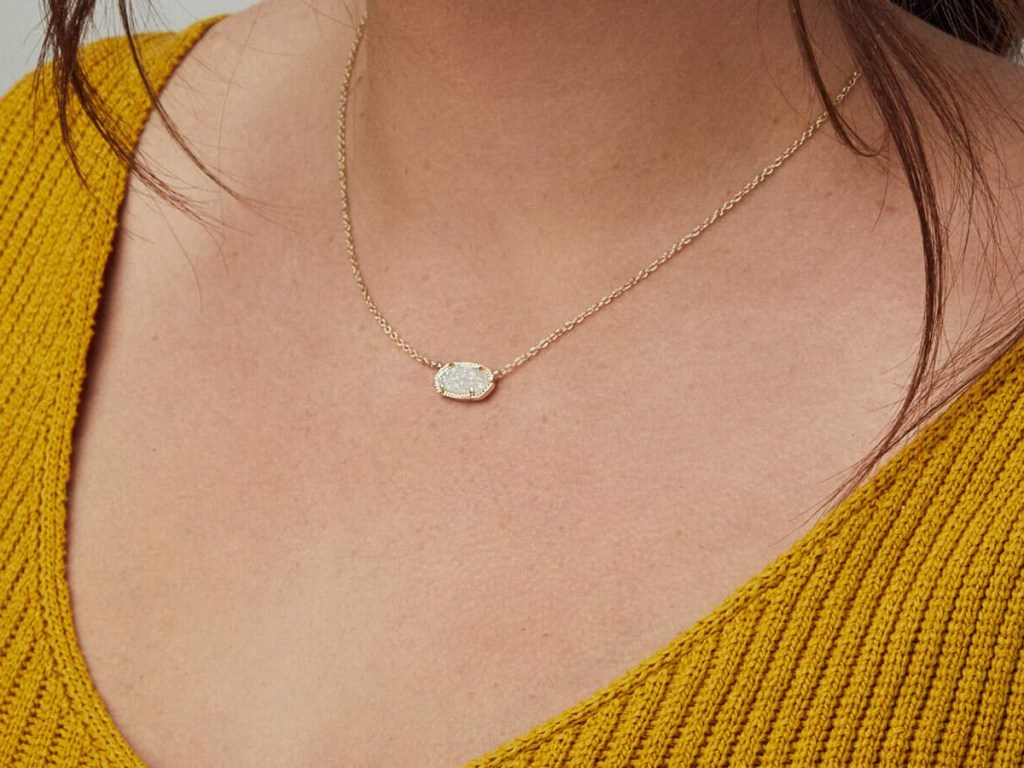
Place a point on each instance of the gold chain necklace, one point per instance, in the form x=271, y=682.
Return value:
x=473, y=381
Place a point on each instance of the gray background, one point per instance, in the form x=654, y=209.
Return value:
x=21, y=29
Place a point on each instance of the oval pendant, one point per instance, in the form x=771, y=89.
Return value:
x=464, y=381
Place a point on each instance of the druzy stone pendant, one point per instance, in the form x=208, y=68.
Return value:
x=464, y=381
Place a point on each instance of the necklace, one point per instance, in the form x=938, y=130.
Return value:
x=473, y=381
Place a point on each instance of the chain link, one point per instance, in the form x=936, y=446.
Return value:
x=643, y=274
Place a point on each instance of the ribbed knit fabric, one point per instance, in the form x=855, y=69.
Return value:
x=891, y=633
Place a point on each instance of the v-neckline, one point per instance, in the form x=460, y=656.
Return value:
x=58, y=468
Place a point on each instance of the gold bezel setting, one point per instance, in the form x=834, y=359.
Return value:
x=464, y=381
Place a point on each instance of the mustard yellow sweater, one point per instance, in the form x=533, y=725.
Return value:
x=891, y=633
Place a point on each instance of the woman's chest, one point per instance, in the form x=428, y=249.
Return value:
x=286, y=549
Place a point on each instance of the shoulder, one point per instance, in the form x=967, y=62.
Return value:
x=249, y=101
x=263, y=77
x=56, y=227
x=31, y=144
x=978, y=193
x=110, y=66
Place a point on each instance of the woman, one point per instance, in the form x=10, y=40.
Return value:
x=754, y=511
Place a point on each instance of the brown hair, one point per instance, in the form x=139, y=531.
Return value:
x=889, y=58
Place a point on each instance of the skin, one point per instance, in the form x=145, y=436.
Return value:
x=285, y=549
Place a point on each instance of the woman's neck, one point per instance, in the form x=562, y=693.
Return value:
x=587, y=115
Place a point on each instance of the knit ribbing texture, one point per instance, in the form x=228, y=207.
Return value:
x=889, y=634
